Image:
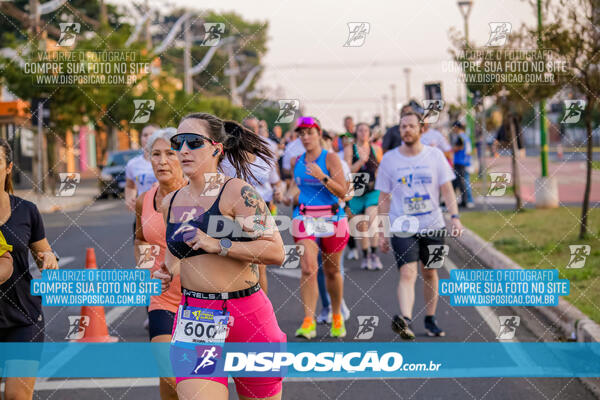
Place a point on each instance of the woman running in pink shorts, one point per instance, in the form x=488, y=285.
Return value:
x=219, y=275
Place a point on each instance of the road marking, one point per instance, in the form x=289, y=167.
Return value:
x=65, y=260
x=493, y=322
x=290, y=273
x=115, y=313
x=62, y=358
x=153, y=382
x=486, y=312
x=102, y=207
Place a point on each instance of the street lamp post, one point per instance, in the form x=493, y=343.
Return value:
x=546, y=187
x=465, y=9
x=543, y=133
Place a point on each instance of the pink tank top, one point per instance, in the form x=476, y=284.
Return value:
x=153, y=227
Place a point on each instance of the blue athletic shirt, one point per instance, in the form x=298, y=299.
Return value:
x=312, y=190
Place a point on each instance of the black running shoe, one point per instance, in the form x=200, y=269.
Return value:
x=431, y=327
x=400, y=326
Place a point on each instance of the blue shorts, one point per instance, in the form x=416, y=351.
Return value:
x=358, y=205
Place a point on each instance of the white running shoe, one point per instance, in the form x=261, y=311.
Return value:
x=325, y=316
x=375, y=262
x=352, y=254
x=366, y=263
x=345, y=311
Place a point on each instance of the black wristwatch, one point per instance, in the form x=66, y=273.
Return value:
x=455, y=216
x=325, y=180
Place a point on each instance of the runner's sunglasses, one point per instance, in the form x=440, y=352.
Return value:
x=193, y=140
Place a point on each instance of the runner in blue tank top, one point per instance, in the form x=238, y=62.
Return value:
x=319, y=176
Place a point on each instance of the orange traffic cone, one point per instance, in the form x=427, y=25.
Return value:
x=96, y=329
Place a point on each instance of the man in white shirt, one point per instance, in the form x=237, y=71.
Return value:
x=410, y=179
x=434, y=138
x=293, y=149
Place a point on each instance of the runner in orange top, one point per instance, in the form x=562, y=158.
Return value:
x=150, y=241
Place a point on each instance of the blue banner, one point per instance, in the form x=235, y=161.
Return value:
x=300, y=359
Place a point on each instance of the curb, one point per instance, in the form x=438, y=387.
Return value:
x=45, y=208
x=571, y=322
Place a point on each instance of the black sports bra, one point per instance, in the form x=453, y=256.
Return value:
x=180, y=232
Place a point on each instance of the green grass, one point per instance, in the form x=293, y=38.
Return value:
x=540, y=239
x=595, y=164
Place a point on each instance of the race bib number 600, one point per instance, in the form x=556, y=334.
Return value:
x=200, y=325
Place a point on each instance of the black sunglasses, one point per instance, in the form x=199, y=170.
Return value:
x=193, y=140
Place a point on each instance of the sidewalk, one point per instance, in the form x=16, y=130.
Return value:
x=85, y=194
x=570, y=177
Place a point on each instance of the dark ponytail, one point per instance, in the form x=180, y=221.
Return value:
x=238, y=143
x=8, y=158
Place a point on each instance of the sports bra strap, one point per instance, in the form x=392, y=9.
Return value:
x=221, y=192
x=170, y=204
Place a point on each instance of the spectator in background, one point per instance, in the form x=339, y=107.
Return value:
x=346, y=138
x=251, y=123
x=276, y=134
x=462, y=160
x=434, y=138
x=293, y=149
x=392, y=138
x=139, y=176
x=263, y=131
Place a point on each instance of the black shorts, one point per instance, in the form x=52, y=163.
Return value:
x=160, y=322
x=33, y=333
x=415, y=248
x=23, y=334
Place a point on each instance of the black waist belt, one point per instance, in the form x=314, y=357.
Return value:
x=221, y=296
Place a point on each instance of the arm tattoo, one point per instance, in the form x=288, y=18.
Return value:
x=254, y=268
x=253, y=200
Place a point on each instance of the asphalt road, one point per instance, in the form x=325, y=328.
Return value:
x=107, y=227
